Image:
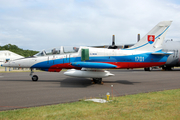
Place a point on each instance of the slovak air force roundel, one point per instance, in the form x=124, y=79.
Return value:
x=151, y=38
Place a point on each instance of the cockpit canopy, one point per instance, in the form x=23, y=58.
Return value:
x=60, y=50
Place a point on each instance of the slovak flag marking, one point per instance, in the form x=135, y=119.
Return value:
x=151, y=38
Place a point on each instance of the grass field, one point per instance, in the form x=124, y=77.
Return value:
x=163, y=105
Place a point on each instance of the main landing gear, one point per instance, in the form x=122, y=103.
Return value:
x=34, y=77
x=97, y=80
x=148, y=69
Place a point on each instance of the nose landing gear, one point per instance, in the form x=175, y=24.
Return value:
x=34, y=77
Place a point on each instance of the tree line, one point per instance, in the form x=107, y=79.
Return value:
x=17, y=50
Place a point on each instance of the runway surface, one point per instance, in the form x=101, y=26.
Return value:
x=18, y=91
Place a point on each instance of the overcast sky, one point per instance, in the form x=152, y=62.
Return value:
x=42, y=24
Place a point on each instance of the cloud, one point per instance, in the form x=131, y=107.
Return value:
x=39, y=24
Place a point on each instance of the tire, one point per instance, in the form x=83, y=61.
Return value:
x=147, y=69
x=34, y=78
x=97, y=80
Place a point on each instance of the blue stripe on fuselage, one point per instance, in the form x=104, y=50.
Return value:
x=48, y=64
x=145, y=57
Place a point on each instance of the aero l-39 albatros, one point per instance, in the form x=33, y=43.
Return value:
x=89, y=62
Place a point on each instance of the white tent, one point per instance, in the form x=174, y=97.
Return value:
x=6, y=55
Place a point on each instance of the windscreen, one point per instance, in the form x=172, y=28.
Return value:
x=56, y=51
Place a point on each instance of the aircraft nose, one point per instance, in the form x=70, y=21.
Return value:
x=2, y=64
x=5, y=64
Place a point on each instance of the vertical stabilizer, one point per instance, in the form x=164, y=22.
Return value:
x=154, y=38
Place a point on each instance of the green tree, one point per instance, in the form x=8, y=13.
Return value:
x=17, y=50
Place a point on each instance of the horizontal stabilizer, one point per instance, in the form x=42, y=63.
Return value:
x=93, y=65
x=162, y=53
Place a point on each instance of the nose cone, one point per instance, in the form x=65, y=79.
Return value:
x=23, y=63
x=5, y=65
x=10, y=64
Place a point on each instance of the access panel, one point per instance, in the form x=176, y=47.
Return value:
x=84, y=54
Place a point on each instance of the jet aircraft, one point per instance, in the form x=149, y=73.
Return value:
x=90, y=62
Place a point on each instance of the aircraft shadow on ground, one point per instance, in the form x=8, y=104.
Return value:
x=75, y=82
x=85, y=82
x=126, y=82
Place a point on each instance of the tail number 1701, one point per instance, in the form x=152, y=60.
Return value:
x=139, y=59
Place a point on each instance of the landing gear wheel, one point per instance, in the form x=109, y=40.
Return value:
x=147, y=69
x=34, y=78
x=97, y=80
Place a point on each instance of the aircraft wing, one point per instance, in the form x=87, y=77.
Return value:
x=93, y=65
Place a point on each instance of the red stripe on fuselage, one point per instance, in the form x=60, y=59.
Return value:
x=137, y=64
x=54, y=70
x=59, y=67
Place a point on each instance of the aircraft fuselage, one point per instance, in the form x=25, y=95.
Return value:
x=121, y=58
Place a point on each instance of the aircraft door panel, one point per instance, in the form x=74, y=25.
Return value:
x=54, y=58
x=50, y=60
x=66, y=58
x=47, y=60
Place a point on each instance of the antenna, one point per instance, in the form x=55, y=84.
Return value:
x=113, y=40
x=138, y=37
x=113, y=46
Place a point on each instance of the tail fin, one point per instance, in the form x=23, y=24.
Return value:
x=154, y=38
